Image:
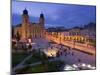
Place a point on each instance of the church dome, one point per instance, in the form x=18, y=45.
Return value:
x=41, y=15
x=25, y=11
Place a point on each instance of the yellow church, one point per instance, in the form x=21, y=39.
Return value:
x=30, y=30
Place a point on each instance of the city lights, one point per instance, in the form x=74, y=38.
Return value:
x=68, y=67
x=51, y=52
x=42, y=43
x=74, y=65
x=83, y=66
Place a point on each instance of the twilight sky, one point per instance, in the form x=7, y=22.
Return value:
x=67, y=15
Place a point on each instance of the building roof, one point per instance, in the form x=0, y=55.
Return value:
x=25, y=11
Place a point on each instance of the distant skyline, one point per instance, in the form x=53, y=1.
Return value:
x=67, y=15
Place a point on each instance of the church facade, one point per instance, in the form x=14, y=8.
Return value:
x=30, y=30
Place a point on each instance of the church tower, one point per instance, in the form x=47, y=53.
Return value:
x=25, y=24
x=41, y=23
x=41, y=20
x=25, y=16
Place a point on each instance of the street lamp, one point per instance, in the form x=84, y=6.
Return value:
x=60, y=39
x=73, y=43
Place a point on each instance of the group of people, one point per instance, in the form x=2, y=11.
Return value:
x=64, y=51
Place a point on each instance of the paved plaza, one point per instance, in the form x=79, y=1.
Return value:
x=71, y=56
x=59, y=52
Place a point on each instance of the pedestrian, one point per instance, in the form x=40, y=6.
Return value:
x=30, y=46
x=66, y=54
x=79, y=60
x=72, y=53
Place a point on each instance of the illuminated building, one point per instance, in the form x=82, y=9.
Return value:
x=30, y=30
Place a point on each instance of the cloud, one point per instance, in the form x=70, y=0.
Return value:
x=56, y=14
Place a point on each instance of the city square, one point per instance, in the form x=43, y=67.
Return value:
x=38, y=47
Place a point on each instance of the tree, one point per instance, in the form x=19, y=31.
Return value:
x=44, y=60
x=12, y=30
x=18, y=36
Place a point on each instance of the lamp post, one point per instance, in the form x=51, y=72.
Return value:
x=60, y=40
x=73, y=43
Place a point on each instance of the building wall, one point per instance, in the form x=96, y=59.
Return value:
x=30, y=30
x=34, y=31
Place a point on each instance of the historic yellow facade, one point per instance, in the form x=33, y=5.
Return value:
x=28, y=29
